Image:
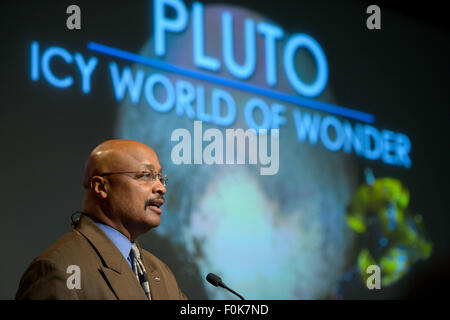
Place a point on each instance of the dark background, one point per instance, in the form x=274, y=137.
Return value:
x=399, y=73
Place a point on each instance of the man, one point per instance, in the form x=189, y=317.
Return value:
x=100, y=258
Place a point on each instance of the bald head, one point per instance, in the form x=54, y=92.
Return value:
x=114, y=156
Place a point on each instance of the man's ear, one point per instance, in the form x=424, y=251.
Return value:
x=100, y=186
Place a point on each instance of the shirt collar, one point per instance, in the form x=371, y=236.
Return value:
x=120, y=241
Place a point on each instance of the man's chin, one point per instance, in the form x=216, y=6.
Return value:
x=152, y=219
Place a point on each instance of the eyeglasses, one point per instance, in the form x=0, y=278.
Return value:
x=145, y=175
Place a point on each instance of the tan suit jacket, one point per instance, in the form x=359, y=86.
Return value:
x=104, y=272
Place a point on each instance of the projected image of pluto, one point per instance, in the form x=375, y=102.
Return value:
x=274, y=234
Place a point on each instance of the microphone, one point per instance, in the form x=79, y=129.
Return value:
x=216, y=281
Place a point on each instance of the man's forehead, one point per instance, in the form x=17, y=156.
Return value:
x=145, y=160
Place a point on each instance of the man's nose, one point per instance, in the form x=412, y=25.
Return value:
x=159, y=188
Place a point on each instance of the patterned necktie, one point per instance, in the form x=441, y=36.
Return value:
x=139, y=270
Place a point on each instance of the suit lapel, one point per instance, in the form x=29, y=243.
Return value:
x=115, y=269
x=130, y=291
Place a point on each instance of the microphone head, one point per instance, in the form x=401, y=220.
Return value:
x=215, y=280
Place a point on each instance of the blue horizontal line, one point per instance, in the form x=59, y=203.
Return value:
x=312, y=104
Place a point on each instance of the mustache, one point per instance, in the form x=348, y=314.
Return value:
x=150, y=202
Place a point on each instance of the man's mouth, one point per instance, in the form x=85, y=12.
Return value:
x=155, y=204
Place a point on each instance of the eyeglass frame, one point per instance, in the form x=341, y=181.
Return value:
x=163, y=178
